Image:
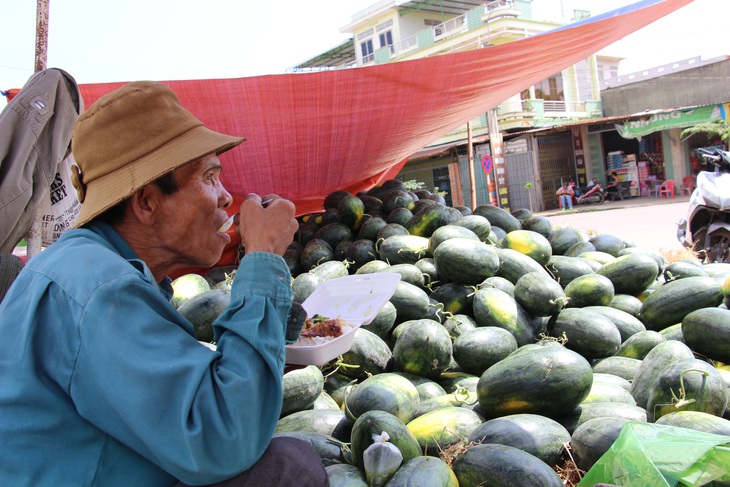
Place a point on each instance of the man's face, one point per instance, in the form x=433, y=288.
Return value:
x=192, y=215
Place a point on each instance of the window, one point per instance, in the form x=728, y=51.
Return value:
x=550, y=89
x=386, y=40
x=366, y=50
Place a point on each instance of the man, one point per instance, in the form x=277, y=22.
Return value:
x=103, y=381
x=565, y=196
x=612, y=185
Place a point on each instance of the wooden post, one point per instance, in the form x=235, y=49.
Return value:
x=34, y=239
x=41, y=35
x=457, y=190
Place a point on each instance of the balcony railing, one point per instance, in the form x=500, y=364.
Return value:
x=447, y=29
x=451, y=27
x=522, y=107
x=399, y=48
x=559, y=106
x=541, y=109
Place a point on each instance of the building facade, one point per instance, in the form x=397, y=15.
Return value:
x=640, y=136
x=523, y=149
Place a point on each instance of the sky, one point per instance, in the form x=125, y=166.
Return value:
x=105, y=41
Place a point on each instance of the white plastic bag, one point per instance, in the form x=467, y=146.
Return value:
x=58, y=212
x=382, y=460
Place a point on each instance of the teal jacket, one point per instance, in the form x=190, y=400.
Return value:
x=102, y=381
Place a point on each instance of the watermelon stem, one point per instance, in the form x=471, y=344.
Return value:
x=426, y=277
x=431, y=285
x=339, y=364
x=551, y=272
x=563, y=339
x=420, y=251
x=377, y=245
x=229, y=277
x=344, y=447
x=463, y=392
x=564, y=300
x=682, y=399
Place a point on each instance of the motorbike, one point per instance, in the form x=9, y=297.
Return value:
x=706, y=230
x=593, y=195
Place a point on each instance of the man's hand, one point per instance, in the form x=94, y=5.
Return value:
x=270, y=229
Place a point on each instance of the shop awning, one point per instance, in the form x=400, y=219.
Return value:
x=671, y=119
x=312, y=133
x=441, y=149
x=340, y=56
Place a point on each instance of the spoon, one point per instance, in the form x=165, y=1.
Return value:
x=228, y=223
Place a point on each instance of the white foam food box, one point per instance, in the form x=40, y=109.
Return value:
x=356, y=299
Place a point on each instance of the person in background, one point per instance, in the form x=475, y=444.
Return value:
x=612, y=184
x=592, y=183
x=104, y=382
x=565, y=196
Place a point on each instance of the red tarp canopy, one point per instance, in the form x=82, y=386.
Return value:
x=310, y=134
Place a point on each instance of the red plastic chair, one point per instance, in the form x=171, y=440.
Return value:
x=688, y=184
x=667, y=188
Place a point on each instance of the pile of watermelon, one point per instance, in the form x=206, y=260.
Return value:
x=509, y=349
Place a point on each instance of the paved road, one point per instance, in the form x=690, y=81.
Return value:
x=646, y=222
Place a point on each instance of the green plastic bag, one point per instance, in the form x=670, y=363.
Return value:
x=649, y=455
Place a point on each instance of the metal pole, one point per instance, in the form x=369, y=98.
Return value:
x=470, y=155
x=33, y=239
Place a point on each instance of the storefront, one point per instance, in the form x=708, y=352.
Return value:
x=640, y=161
x=440, y=172
x=645, y=149
x=652, y=149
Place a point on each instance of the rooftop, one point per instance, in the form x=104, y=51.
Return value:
x=657, y=71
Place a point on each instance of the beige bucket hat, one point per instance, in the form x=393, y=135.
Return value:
x=132, y=136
